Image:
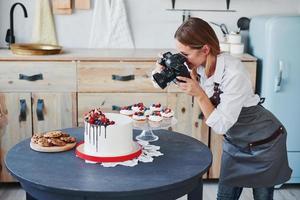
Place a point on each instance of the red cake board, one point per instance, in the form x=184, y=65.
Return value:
x=80, y=153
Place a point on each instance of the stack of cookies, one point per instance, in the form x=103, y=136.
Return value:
x=52, y=138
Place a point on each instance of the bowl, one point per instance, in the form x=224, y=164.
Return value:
x=35, y=49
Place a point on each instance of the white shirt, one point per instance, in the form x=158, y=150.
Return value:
x=237, y=90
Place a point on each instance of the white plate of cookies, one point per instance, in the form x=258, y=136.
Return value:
x=52, y=141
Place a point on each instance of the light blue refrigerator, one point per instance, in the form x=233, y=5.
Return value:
x=275, y=41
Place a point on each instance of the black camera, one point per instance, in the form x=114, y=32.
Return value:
x=174, y=65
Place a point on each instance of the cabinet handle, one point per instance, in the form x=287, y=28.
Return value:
x=31, y=78
x=114, y=107
x=23, y=108
x=122, y=78
x=39, y=109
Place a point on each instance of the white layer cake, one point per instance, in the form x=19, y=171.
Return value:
x=112, y=140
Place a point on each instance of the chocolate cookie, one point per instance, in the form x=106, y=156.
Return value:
x=68, y=139
x=35, y=138
x=53, y=134
x=44, y=142
x=56, y=142
x=63, y=134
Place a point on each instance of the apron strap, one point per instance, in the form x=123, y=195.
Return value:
x=278, y=132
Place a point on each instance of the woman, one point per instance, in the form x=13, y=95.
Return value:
x=254, y=148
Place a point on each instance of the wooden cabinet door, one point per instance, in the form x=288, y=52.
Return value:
x=216, y=142
x=58, y=111
x=16, y=130
x=106, y=101
x=182, y=105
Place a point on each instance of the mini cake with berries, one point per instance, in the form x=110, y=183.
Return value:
x=139, y=116
x=155, y=117
x=127, y=110
x=138, y=107
x=107, y=134
x=167, y=113
x=155, y=107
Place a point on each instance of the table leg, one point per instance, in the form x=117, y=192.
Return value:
x=196, y=194
x=29, y=197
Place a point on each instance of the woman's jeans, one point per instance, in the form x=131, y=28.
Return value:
x=233, y=193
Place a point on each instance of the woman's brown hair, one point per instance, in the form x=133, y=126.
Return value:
x=196, y=33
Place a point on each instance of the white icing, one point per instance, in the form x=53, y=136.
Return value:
x=153, y=108
x=118, y=140
x=135, y=108
x=127, y=112
x=139, y=118
x=148, y=112
x=155, y=118
x=167, y=115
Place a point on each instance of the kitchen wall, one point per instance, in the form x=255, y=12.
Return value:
x=152, y=26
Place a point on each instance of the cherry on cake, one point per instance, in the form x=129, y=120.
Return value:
x=108, y=134
x=127, y=110
x=155, y=107
x=167, y=113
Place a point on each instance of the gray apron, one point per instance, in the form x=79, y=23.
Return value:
x=254, y=149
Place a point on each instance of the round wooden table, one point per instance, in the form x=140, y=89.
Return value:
x=63, y=176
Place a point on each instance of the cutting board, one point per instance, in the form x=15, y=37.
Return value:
x=39, y=148
x=62, y=7
x=61, y=4
x=83, y=4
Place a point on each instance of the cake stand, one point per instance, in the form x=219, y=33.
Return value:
x=147, y=127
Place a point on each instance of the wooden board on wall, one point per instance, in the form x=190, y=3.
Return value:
x=83, y=4
x=62, y=7
x=61, y=4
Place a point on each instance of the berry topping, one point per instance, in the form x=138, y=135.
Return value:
x=96, y=117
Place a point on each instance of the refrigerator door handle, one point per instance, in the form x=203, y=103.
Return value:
x=278, y=79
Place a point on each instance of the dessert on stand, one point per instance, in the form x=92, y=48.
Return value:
x=150, y=119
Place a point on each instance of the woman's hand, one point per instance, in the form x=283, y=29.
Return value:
x=190, y=85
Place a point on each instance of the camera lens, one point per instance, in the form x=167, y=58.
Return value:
x=160, y=80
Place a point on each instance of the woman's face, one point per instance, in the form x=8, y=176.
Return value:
x=195, y=57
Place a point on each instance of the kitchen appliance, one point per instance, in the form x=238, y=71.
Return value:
x=275, y=41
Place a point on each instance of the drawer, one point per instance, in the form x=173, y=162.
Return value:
x=98, y=77
x=88, y=101
x=37, y=76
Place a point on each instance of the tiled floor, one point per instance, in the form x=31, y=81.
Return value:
x=286, y=192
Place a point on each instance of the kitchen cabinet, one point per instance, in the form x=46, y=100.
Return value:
x=35, y=106
x=16, y=130
x=57, y=90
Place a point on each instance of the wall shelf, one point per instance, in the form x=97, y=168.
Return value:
x=204, y=10
x=199, y=10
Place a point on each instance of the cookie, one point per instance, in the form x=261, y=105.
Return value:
x=63, y=134
x=56, y=142
x=68, y=139
x=35, y=138
x=44, y=142
x=53, y=134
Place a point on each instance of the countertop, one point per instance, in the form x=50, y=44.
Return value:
x=100, y=55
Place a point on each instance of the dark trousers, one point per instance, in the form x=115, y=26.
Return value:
x=233, y=193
